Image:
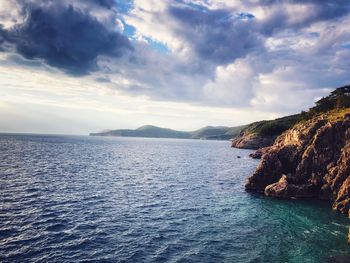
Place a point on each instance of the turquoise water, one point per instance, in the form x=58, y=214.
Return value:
x=88, y=199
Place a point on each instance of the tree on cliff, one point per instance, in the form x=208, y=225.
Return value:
x=338, y=99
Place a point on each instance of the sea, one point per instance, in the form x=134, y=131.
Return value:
x=117, y=199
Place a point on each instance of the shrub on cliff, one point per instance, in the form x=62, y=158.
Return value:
x=338, y=99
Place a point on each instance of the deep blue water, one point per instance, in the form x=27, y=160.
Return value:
x=71, y=198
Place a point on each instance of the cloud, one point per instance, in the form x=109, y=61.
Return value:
x=64, y=36
x=297, y=14
x=240, y=54
x=219, y=36
x=104, y=3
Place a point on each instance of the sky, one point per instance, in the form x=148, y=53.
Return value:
x=80, y=66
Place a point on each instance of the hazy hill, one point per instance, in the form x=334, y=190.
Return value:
x=206, y=133
x=146, y=131
x=252, y=136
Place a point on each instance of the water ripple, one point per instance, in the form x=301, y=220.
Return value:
x=88, y=199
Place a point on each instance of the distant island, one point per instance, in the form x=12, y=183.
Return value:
x=150, y=131
x=254, y=136
x=251, y=136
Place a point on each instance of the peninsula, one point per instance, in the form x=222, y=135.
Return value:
x=311, y=159
x=150, y=131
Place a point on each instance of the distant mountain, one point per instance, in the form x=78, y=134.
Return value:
x=208, y=131
x=150, y=131
x=146, y=131
x=217, y=132
x=253, y=136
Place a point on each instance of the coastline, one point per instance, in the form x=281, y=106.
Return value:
x=309, y=161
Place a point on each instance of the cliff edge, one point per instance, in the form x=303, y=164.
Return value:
x=263, y=133
x=312, y=159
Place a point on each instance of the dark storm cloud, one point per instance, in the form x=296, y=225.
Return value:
x=65, y=36
x=104, y=3
x=320, y=10
x=2, y=37
x=217, y=35
x=221, y=36
x=276, y=47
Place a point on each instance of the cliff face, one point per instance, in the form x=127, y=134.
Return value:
x=263, y=133
x=253, y=141
x=312, y=159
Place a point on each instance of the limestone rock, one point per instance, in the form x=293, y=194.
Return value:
x=259, y=152
x=312, y=159
x=253, y=141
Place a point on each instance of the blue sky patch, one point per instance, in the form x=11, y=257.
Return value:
x=159, y=46
x=130, y=32
x=346, y=46
x=124, y=6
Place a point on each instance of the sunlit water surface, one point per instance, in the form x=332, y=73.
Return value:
x=70, y=198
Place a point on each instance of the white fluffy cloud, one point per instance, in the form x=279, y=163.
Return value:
x=304, y=40
x=234, y=57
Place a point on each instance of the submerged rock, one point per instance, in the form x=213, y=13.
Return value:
x=312, y=159
x=285, y=189
x=259, y=153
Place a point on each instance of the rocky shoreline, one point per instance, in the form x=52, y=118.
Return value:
x=253, y=141
x=310, y=160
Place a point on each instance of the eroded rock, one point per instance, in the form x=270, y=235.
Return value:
x=259, y=153
x=312, y=159
x=253, y=141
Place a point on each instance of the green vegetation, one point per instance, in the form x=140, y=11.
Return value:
x=336, y=114
x=157, y=132
x=336, y=105
x=217, y=133
x=338, y=99
x=277, y=126
x=272, y=127
x=208, y=131
x=235, y=131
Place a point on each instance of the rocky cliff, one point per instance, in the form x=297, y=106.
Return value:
x=253, y=141
x=312, y=159
x=263, y=133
